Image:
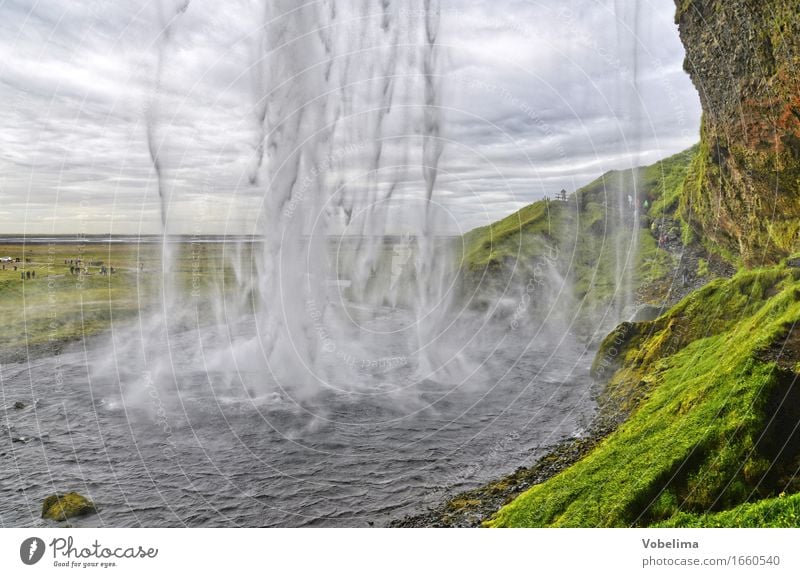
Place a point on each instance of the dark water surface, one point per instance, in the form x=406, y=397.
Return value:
x=204, y=449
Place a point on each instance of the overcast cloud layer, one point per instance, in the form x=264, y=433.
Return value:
x=539, y=95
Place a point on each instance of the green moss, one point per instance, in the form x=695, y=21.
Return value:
x=463, y=503
x=654, y=263
x=682, y=8
x=61, y=507
x=693, y=194
x=781, y=511
x=702, y=392
x=663, y=182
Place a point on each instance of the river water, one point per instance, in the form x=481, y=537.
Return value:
x=193, y=446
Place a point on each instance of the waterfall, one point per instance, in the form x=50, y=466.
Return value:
x=626, y=235
x=346, y=100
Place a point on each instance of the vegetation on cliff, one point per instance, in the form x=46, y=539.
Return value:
x=743, y=57
x=711, y=386
x=589, y=238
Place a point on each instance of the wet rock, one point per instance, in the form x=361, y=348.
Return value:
x=29, y=438
x=648, y=313
x=62, y=506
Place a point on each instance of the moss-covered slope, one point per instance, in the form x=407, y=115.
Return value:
x=711, y=387
x=780, y=511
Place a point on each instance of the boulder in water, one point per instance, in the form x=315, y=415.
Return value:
x=60, y=507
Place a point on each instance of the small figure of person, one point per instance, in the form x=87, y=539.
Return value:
x=27, y=275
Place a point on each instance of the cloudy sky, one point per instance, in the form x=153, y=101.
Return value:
x=537, y=96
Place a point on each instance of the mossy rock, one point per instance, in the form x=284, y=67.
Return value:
x=62, y=506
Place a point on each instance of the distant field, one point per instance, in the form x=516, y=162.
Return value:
x=57, y=305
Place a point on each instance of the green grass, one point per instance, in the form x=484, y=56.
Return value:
x=556, y=223
x=781, y=511
x=585, y=233
x=488, y=246
x=700, y=438
x=58, y=306
x=663, y=182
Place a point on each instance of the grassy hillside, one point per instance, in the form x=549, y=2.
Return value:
x=715, y=406
x=57, y=305
x=586, y=236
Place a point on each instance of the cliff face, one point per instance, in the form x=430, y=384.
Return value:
x=743, y=193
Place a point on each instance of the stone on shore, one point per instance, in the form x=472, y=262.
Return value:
x=61, y=507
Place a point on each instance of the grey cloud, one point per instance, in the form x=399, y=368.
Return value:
x=540, y=96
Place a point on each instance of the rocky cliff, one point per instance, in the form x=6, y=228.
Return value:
x=743, y=193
